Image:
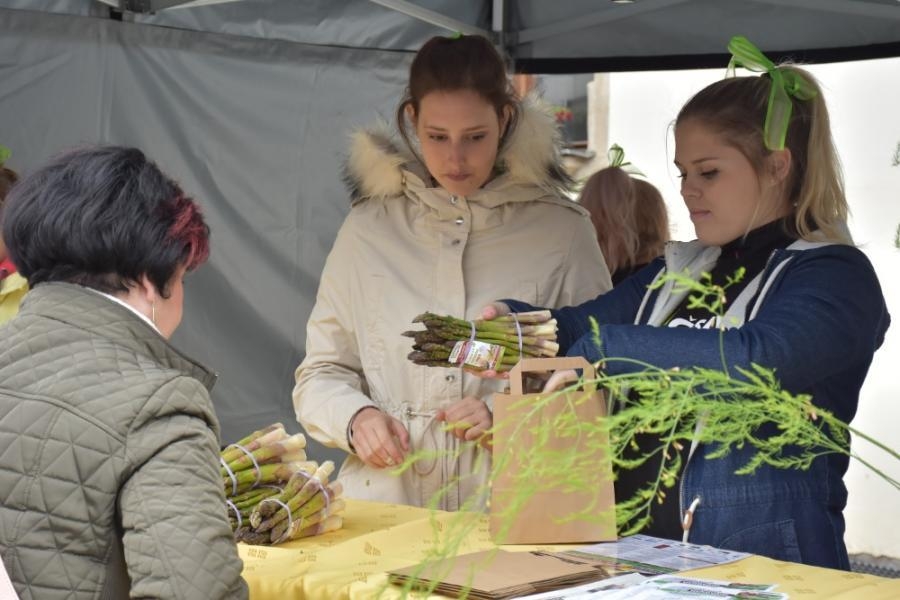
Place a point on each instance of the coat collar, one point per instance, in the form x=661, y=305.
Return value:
x=84, y=309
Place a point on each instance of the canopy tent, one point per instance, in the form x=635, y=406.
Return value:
x=575, y=36
x=248, y=104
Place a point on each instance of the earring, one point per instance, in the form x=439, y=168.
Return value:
x=153, y=312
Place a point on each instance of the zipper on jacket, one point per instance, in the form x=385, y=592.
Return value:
x=687, y=516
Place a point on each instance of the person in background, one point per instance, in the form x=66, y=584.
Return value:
x=464, y=202
x=109, y=473
x=12, y=285
x=629, y=215
x=762, y=182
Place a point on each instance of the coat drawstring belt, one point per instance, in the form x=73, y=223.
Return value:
x=429, y=440
x=688, y=518
x=423, y=467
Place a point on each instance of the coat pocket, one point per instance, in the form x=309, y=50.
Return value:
x=776, y=540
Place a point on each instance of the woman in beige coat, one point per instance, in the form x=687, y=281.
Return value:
x=468, y=209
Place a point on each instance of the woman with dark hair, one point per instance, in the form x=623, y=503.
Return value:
x=109, y=480
x=464, y=204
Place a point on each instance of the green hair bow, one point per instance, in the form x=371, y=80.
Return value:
x=616, y=157
x=5, y=153
x=785, y=84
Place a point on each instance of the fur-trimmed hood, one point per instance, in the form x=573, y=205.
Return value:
x=379, y=161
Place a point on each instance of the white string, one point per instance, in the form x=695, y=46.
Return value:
x=472, y=326
x=290, y=526
x=688, y=519
x=428, y=435
x=518, y=332
x=253, y=458
x=318, y=483
x=236, y=512
x=230, y=474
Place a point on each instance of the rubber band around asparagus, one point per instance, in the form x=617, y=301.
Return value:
x=287, y=509
x=234, y=481
x=252, y=458
x=240, y=519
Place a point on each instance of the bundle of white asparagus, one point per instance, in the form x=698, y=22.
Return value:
x=273, y=494
x=496, y=344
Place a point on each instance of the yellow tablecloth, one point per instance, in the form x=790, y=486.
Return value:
x=352, y=562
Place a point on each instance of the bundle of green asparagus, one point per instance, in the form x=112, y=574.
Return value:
x=267, y=456
x=496, y=344
x=266, y=474
x=308, y=505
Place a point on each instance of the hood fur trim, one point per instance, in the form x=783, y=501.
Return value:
x=531, y=154
x=374, y=166
x=378, y=157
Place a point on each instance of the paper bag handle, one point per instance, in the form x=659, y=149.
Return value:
x=539, y=365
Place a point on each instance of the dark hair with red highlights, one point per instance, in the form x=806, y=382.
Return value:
x=463, y=62
x=103, y=217
x=189, y=230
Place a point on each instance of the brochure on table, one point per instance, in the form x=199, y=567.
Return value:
x=643, y=564
x=662, y=587
x=651, y=555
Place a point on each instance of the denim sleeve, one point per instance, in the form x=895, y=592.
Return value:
x=619, y=305
x=826, y=313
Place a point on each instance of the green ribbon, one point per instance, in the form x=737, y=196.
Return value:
x=5, y=153
x=616, y=157
x=785, y=84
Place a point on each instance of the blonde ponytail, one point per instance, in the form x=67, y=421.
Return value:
x=821, y=210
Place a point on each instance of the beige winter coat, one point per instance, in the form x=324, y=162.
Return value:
x=407, y=247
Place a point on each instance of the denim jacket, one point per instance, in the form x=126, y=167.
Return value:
x=815, y=315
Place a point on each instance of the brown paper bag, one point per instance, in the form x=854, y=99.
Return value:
x=551, y=462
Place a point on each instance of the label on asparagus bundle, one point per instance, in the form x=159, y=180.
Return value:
x=473, y=353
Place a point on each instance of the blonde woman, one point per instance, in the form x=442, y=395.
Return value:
x=762, y=182
x=630, y=218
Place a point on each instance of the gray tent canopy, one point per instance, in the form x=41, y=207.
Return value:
x=248, y=103
x=584, y=36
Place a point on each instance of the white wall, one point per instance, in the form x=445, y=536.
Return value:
x=864, y=100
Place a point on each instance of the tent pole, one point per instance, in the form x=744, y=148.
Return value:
x=606, y=15
x=498, y=25
x=429, y=16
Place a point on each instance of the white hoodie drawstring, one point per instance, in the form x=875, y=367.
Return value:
x=688, y=518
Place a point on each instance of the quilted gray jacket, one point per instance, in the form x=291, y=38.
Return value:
x=109, y=477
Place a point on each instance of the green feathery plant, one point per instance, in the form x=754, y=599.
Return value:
x=724, y=409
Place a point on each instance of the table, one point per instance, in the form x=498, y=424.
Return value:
x=352, y=563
